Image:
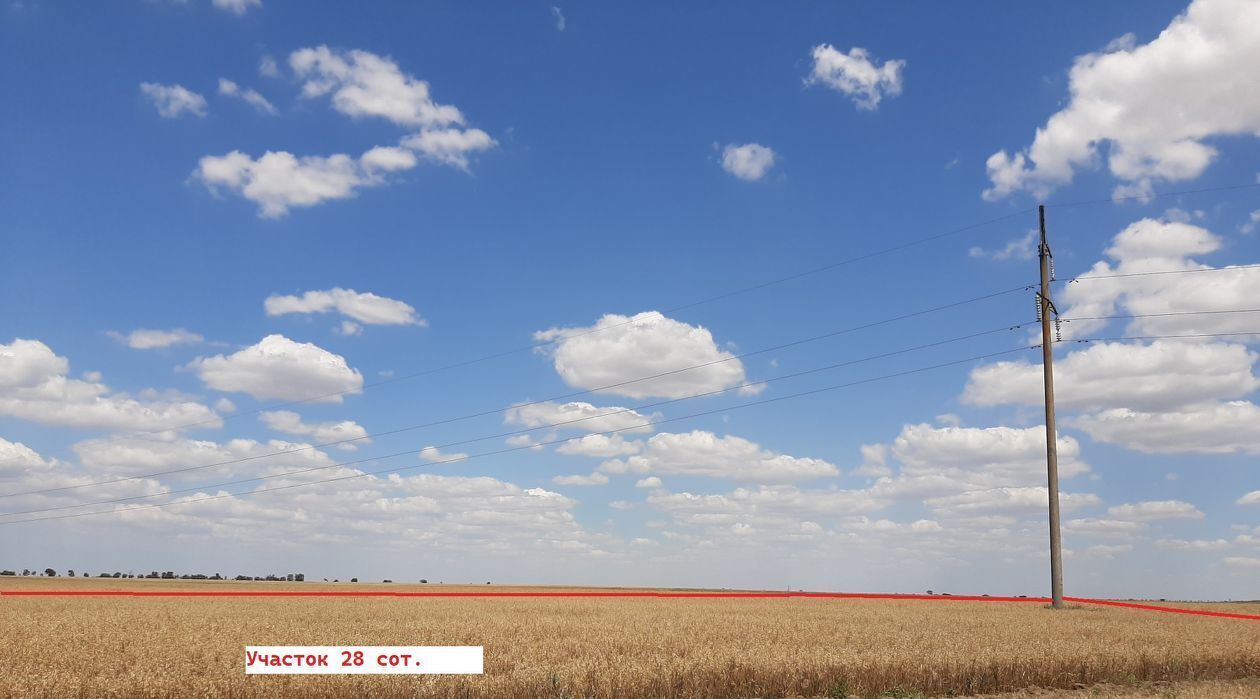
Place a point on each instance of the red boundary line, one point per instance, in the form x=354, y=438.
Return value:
x=606, y=594
x=1160, y=608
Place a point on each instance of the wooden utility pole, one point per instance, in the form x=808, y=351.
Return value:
x=1052, y=445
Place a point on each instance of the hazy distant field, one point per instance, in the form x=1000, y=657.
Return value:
x=124, y=647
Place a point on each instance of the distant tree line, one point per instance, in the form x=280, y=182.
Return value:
x=168, y=575
x=171, y=575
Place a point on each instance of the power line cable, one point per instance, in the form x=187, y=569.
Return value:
x=1149, y=197
x=1125, y=316
x=735, y=292
x=647, y=406
x=539, y=345
x=484, y=413
x=518, y=448
x=1185, y=336
x=624, y=411
x=513, y=433
x=255, y=457
x=1092, y=277
x=562, y=440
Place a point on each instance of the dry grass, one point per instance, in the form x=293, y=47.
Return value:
x=167, y=647
x=1205, y=689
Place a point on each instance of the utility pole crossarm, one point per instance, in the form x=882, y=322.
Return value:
x=1046, y=307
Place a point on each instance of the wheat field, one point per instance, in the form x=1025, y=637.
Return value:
x=184, y=647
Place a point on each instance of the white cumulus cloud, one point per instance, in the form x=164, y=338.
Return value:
x=1173, y=395
x=1095, y=526
x=154, y=339
x=279, y=180
x=980, y=457
x=600, y=445
x=579, y=416
x=290, y=422
x=129, y=456
x=174, y=100
x=855, y=74
x=1155, y=510
x=1206, y=428
x=1195, y=545
x=1163, y=374
x=20, y=461
x=434, y=455
x=1154, y=105
x=249, y=96
x=595, y=478
x=34, y=386
x=277, y=367
x=619, y=349
x=750, y=161
x=701, y=453
x=26, y=363
x=360, y=84
x=773, y=510
x=363, y=84
x=449, y=146
x=459, y=516
x=1029, y=499
x=364, y=307
x=1018, y=249
x=1154, y=245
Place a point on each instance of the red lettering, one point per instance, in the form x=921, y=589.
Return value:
x=392, y=660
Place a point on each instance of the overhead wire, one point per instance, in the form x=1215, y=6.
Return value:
x=634, y=410
x=1154, y=273
x=304, y=448
x=711, y=299
x=1183, y=336
x=558, y=424
x=742, y=290
x=516, y=448
x=118, y=437
x=569, y=335
x=565, y=396
x=1152, y=196
x=1168, y=314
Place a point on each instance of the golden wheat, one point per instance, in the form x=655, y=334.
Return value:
x=169, y=647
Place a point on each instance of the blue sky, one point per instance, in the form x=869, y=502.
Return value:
x=306, y=199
